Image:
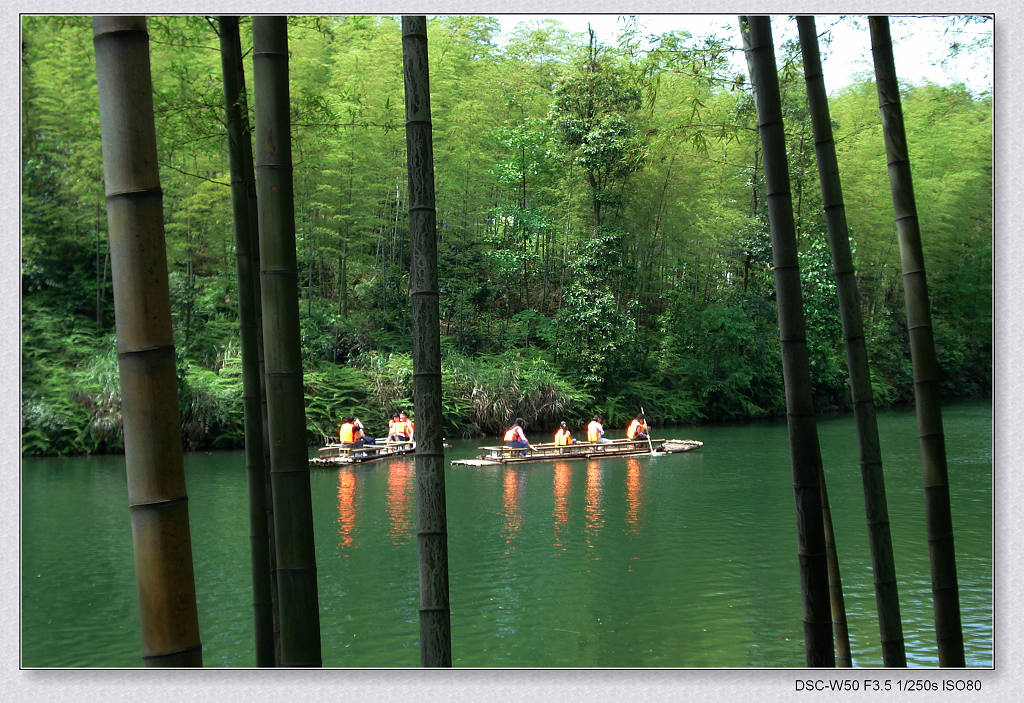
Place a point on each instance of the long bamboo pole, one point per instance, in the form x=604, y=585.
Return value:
x=432, y=526
x=286, y=414
x=837, y=603
x=876, y=509
x=805, y=452
x=158, y=501
x=945, y=590
x=240, y=159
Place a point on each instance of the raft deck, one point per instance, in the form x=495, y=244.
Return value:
x=341, y=455
x=493, y=455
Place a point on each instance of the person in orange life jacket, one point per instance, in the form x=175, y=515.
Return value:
x=399, y=429
x=515, y=437
x=392, y=428
x=352, y=434
x=637, y=428
x=595, y=431
x=563, y=436
x=407, y=426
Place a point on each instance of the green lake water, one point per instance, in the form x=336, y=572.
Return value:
x=686, y=560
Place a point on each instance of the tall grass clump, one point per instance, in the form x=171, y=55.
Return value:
x=493, y=390
x=210, y=402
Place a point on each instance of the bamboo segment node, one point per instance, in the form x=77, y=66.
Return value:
x=134, y=193
x=157, y=504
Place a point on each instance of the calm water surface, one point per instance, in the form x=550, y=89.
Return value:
x=679, y=561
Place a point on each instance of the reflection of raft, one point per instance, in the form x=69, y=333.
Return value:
x=340, y=455
x=583, y=450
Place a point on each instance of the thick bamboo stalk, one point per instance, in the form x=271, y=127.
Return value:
x=240, y=158
x=882, y=560
x=805, y=453
x=432, y=527
x=286, y=414
x=158, y=502
x=945, y=590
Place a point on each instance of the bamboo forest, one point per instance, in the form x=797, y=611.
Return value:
x=247, y=240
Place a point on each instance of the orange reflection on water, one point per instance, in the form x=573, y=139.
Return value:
x=400, y=474
x=512, y=483
x=346, y=509
x=634, y=487
x=563, y=472
x=592, y=502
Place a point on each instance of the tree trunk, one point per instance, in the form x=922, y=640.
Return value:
x=237, y=119
x=945, y=591
x=875, y=506
x=344, y=280
x=286, y=416
x=805, y=453
x=158, y=502
x=432, y=527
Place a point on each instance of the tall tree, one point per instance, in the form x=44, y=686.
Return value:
x=432, y=523
x=243, y=199
x=593, y=110
x=805, y=452
x=945, y=591
x=882, y=561
x=158, y=501
x=286, y=415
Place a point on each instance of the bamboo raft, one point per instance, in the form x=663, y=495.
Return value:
x=341, y=455
x=584, y=450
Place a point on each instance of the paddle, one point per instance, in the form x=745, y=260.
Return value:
x=651, y=446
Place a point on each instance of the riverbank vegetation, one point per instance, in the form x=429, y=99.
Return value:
x=603, y=234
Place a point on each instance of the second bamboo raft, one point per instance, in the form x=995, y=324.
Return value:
x=493, y=455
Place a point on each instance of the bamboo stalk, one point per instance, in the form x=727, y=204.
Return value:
x=432, y=527
x=945, y=590
x=158, y=501
x=240, y=157
x=837, y=603
x=876, y=509
x=805, y=452
x=286, y=415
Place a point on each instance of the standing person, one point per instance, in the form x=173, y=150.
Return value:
x=563, y=437
x=595, y=431
x=638, y=428
x=515, y=437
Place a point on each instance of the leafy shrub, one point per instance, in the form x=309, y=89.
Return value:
x=333, y=391
x=211, y=408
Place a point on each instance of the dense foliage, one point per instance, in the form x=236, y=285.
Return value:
x=603, y=238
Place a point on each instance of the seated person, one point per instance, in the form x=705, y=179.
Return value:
x=563, y=437
x=515, y=437
x=361, y=436
x=352, y=434
x=394, y=435
x=595, y=431
x=638, y=428
x=406, y=427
